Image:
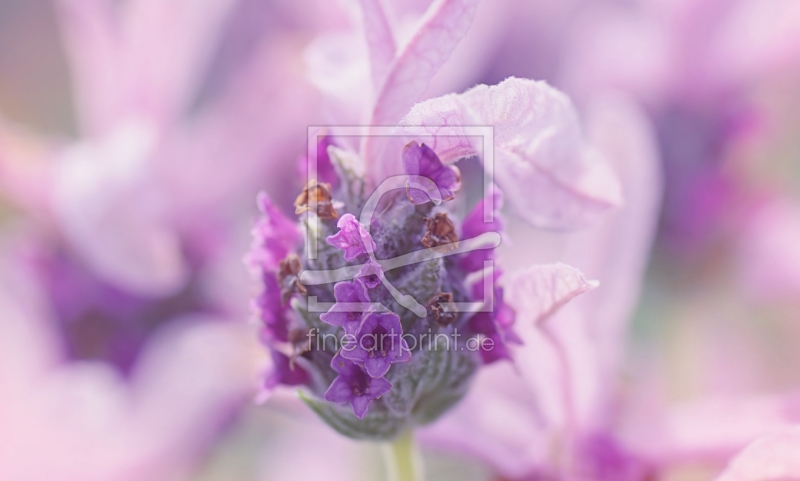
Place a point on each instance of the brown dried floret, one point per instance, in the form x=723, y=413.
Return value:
x=319, y=193
x=442, y=307
x=440, y=231
x=288, y=277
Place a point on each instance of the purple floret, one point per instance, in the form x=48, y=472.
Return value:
x=354, y=386
x=370, y=274
x=379, y=343
x=422, y=161
x=352, y=238
x=351, y=302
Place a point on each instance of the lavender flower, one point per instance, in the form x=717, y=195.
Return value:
x=403, y=272
x=354, y=386
x=378, y=344
x=351, y=238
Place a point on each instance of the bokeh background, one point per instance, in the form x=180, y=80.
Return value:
x=135, y=135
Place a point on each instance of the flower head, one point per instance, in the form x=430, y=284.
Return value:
x=393, y=265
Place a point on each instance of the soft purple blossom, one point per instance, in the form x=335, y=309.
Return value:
x=378, y=344
x=420, y=160
x=352, y=238
x=178, y=395
x=354, y=386
x=351, y=303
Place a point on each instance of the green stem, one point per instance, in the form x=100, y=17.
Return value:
x=403, y=462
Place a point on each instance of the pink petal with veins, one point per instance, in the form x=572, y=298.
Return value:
x=539, y=291
x=441, y=28
x=552, y=177
x=380, y=41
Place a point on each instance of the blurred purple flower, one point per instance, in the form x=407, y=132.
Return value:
x=184, y=388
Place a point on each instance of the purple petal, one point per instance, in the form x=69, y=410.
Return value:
x=339, y=391
x=325, y=170
x=378, y=387
x=360, y=406
x=343, y=366
x=177, y=36
x=370, y=274
x=356, y=354
x=377, y=366
x=284, y=372
x=422, y=161
x=352, y=238
x=474, y=225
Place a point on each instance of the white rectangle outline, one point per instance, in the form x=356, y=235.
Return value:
x=485, y=132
